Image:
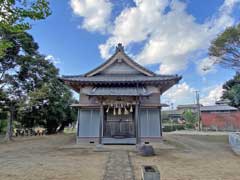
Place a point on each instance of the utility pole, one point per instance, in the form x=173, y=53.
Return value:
x=198, y=110
x=172, y=118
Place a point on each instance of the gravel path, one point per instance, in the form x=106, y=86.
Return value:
x=119, y=166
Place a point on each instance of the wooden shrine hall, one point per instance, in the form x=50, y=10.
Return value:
x=119, y=102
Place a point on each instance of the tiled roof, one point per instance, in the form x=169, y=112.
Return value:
x=218, y=108
x=186, y=106
x=120, y=78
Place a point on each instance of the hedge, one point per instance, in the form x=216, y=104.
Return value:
x=174, y=127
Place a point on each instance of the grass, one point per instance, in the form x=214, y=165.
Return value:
x=174, y=143
x=70, y=130
x=210, y=138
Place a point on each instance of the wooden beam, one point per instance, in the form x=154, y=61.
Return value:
x=151, y=105
x=96, y=106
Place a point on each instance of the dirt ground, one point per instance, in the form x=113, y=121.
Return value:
x=180, y=157
x=193, y=157
x=43, y=158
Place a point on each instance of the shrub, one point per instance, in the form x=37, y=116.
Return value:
x=174, y=127
x=3, y=126
x=189, y=126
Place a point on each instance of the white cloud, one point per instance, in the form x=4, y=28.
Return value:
x=185, y=94
x=171, y=39
x=53, y=59
x=213, y=95
x=179, y=94
x=96, y=13
x=134, y=24
x=206, y=66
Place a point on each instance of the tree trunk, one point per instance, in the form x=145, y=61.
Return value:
x=8, y=136
x=61, y=129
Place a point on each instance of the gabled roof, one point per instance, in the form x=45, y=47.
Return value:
x=126, y=59
x=121, y=70
x=165, y=81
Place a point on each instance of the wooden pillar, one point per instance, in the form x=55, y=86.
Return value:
x=78, y=117
x=78, y=121
x=137, y=123
x=101, y=123
x=160, y=120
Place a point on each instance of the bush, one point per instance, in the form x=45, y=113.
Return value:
x=189, y=126
x=174, y=127
x=3, y=126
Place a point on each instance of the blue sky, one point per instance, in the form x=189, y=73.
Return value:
x=167, y=36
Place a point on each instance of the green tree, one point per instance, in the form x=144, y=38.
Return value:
x=15, y=16
x=225, y=49
x=232, y=91
x=18, y=51
x=190, y=117
x=49, y=106
x=32, y=72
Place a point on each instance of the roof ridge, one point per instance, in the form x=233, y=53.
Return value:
x=120, y=49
